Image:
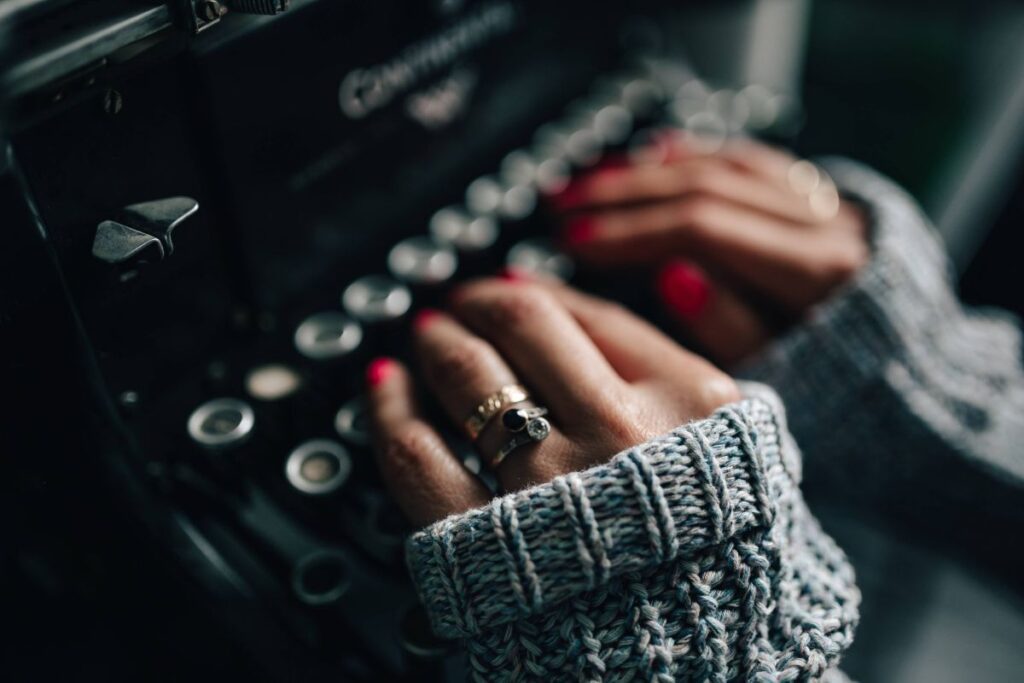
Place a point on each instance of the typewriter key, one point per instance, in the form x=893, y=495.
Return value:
x=351, y=422
x=272, y=382
x=613, y=124
x=221, y=423
x=483, y=196
x=518, y=168
x=455, y=227
x=583, y=148
x=422, y=261
x=540, y=257
x=518, y=202
x=552, y=176
x=321, y=578
x=327, y=336
x=376, y=299
x=318, y=467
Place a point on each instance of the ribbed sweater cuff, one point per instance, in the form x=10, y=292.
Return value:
x=668, y=498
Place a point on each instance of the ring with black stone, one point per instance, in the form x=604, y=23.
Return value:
x=526, y=425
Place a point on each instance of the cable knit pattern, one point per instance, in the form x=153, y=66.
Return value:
x=689, y=557
x=893, y=360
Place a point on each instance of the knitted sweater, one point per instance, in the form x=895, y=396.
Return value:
x=693, y=556
x=689, y=557
x=902, y=400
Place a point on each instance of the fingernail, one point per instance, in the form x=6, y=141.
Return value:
x=379, y=370
x=513, y=274
x=579, y=231
x=685, y=289
x=424, y=318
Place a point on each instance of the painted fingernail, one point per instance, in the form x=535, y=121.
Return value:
x=424, y=318
x=379, y=370
x=579, y=231
x=513, y=274
x=685, y=289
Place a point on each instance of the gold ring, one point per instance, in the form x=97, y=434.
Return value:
x=492, y=405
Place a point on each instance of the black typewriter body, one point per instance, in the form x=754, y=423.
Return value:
x=184, y=229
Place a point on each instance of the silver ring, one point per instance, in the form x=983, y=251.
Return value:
x=526, y=425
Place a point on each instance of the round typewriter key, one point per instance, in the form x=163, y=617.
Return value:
x=352, y=422
x=376, y=299
x=422, y=261
x=518, y=202
x=518, y=168
x=540, y=257
x=583, y=147
x=613, y=124
x=221, y=423
x=327, y=336
x=318, y=467
x=272, y=382
x=467, y=233
x=483, y=196
x=552, y=176
x=641, y=96
x=321, y=577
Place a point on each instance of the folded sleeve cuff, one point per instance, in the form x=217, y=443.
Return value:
x=665, y=499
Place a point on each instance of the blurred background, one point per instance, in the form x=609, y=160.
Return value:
x=931, y=94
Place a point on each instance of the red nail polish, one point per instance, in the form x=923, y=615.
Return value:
x=685, y=289
x=424, y=318
x=513, y=274
x=579, y=232
x=379, y=370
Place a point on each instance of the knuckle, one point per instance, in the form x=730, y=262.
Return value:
x=696, y=213
x=521, y=306
x=410, y=448
x=717, y=392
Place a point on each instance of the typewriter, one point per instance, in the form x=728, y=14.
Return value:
x=217, y=212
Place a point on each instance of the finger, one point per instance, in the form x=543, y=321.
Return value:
x=636, y=349
x=543, y=343
x=463, y=370
x=423, y=476
x=790, y=264
x=711, y=312
x=756, y=158
x=701, y=176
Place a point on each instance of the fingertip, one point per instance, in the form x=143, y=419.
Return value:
x=379, y=370
x=425, y=318
x=685, y=289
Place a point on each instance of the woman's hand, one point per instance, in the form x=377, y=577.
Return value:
x=745, y=237
x=609, y=379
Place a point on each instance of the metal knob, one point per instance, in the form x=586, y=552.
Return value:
x=327, y=336
x=318, y=467
x=376, y=299
x=221, y=423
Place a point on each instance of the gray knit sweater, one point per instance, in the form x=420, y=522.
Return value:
x=693, y=556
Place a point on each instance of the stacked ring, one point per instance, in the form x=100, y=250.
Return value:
x=492, y=405
x=526, y=425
